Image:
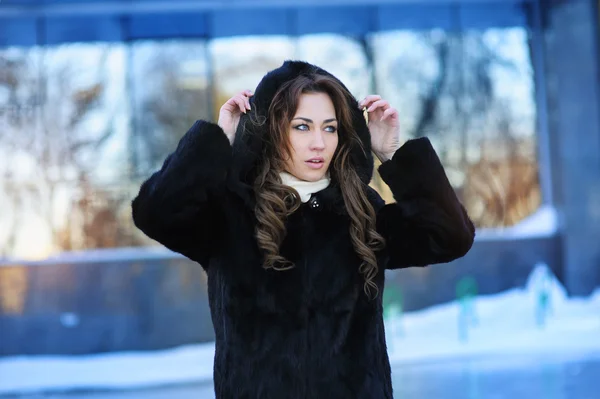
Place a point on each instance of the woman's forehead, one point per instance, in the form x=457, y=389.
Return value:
x=315, y=105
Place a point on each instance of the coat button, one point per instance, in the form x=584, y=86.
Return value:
x=314, y=203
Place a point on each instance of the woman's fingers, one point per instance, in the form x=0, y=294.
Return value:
x=378, y=104
x=247, y=94
x=368, y=100
x=236, y=102
x=392, y=113
x=240, y=101
x=229, y=116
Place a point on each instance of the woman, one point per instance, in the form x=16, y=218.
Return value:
x=273, y=203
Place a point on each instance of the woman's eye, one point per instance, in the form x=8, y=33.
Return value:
x=302, y=127
x=331, y=129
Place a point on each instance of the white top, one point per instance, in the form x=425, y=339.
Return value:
x=304, y=188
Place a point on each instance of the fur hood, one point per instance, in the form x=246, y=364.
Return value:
x=249, y=138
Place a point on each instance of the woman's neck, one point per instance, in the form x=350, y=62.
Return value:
x=303, y=187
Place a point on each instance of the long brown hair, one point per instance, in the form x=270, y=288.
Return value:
x=275, y=201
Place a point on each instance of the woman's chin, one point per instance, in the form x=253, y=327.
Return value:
x=312, y=175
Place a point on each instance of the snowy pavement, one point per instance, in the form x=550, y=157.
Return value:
x=497, y=377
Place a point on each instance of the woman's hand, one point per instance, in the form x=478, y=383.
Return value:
x=231, y=111
x=383, y=125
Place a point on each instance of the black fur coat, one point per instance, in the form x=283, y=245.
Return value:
x=308, y=332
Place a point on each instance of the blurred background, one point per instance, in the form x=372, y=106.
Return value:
x=95, y=93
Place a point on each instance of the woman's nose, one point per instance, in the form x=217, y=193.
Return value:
x=318, y=143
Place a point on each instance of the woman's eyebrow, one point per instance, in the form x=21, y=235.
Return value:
x=311, y=121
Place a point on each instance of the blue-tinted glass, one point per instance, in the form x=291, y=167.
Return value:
x=415, y=16
x=342, y=20
x=82, y=29
x=492, y=15
x=18, y=31
x=164, y=26
x=250, y=22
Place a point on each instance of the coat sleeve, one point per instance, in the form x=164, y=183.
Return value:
x=178, y=206
x=427, y=224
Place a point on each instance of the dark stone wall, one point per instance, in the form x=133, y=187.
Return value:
x=79, y=308
x=496, y=265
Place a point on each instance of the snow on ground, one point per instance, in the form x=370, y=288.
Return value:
x=125, y=370
x=502, y=324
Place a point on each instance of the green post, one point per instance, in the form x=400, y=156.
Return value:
x=466, y=291
x=543, y=297
x=392, y=313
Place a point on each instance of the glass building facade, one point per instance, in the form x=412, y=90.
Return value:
x=93, y=96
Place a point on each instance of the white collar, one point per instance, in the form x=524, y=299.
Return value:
x=304, y=188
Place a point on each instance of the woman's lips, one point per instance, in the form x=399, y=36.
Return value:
x=315, y=163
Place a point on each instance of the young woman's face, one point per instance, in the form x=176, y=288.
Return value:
x=313, y=137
